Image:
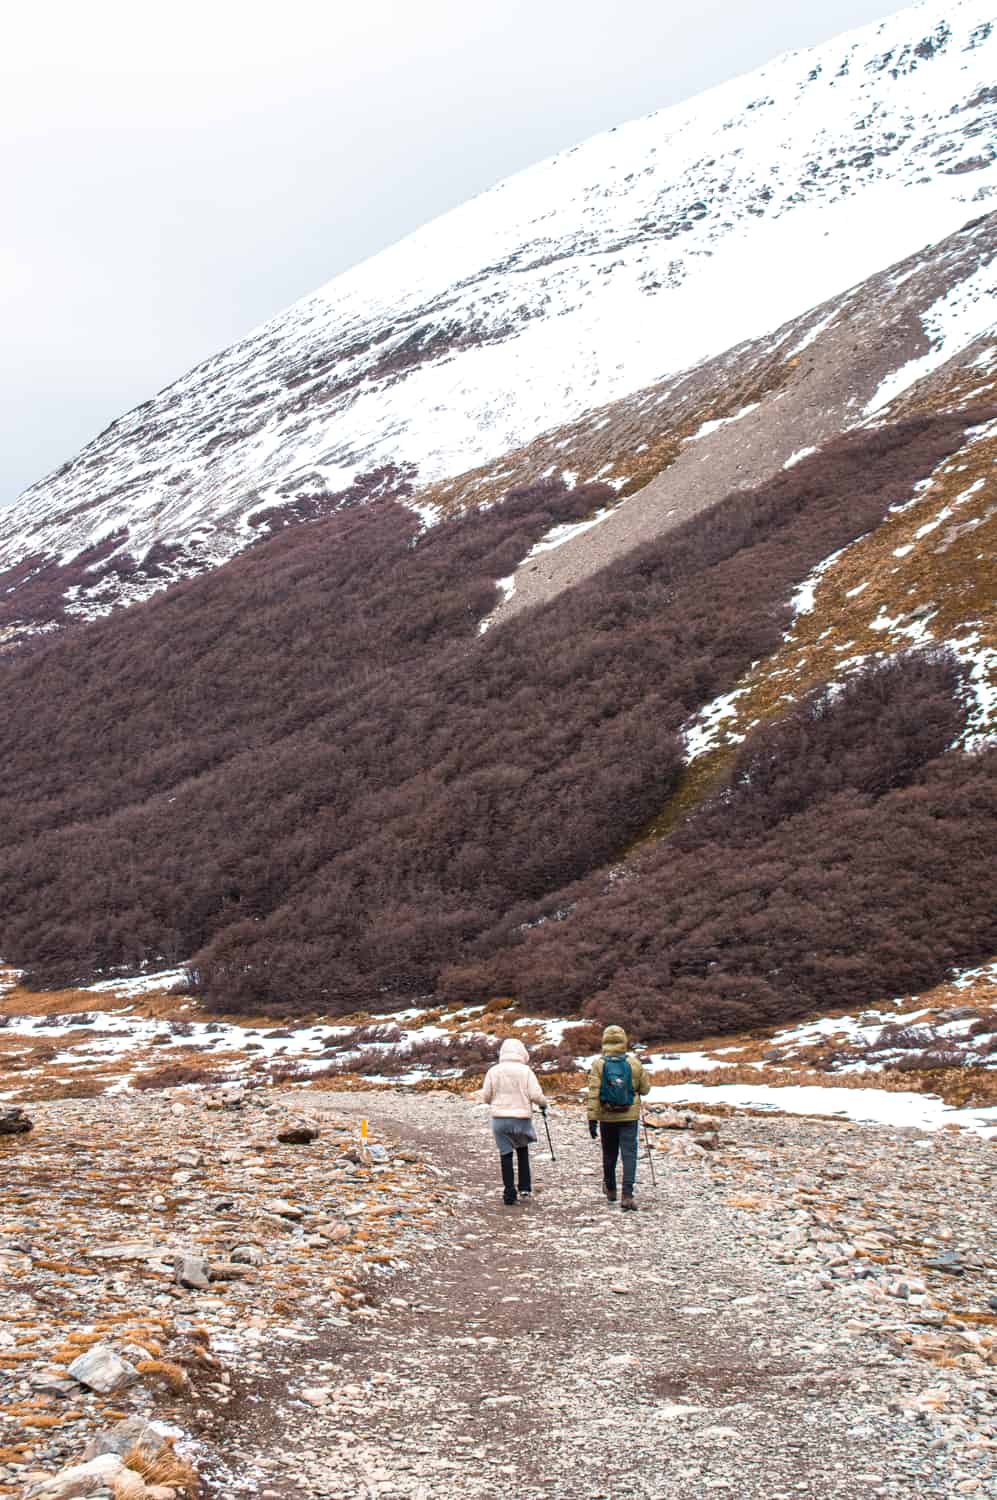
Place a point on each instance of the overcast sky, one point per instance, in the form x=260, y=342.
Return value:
x=173, y=175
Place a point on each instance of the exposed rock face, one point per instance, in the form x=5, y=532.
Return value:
x=737, y=420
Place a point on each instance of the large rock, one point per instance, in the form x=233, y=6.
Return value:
x=102, y=1369
x=13, y=1120
x=81, y=1479
x=133, y=1432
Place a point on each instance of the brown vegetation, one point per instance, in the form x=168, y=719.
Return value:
x=332, y=804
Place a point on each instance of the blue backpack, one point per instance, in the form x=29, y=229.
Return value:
x=616, y=1089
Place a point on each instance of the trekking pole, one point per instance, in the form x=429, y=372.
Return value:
x=550, y=1143
x=647, y=1143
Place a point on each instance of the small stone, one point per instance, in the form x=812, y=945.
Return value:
x=284, y=1209
x=227, y=1270
x=666, y=1119
x=191, y=1271
x=297, y=1133
x=249, y=1255
x=126, y=1250
x=13, y=1121
x=946, y=1262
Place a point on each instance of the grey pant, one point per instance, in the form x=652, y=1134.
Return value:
x=511, y=1132
x=619, y=1139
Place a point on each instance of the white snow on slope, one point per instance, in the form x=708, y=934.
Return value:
x=966, y=312
x=638, y=253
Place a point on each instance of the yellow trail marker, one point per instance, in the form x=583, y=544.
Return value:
x=363, y=1130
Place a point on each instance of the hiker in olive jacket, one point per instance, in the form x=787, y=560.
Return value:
x=617, y=1123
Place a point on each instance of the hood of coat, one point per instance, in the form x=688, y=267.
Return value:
x=512, y=1050
x=614, y=1039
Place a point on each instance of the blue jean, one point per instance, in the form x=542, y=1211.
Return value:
x=619, y=1139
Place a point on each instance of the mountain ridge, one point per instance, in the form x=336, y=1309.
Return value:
x=574, y=282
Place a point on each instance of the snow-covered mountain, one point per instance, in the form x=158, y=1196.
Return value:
x=638, y=254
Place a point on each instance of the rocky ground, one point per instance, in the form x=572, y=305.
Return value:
x=808, y=1309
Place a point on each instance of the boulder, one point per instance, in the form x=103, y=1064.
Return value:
x=133, y=1432
x=102, y=1369
x=81, y=1479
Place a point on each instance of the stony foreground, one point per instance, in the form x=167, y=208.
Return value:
x=808, y=1310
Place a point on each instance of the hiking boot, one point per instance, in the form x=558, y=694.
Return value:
x=610, y=1193
x=627, y=1202
x=526, y=1195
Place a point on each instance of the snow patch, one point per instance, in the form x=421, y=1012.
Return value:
x=901, y=1110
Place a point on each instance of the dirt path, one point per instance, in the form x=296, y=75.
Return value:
x=564, y=1349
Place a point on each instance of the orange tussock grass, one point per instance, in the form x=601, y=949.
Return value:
x=164, y=1372
x=166, y=1468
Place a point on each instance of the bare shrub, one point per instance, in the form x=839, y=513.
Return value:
x=173, y=1076
x=901, y=1038
x=435, y=816
x=931, y=1058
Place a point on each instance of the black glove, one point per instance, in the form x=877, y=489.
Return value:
x=593, y=1128
x=543, y=1109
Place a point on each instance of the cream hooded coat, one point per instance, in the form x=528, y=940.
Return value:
x=511, y=1086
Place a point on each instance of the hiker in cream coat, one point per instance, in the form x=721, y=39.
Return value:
x=511, y=1088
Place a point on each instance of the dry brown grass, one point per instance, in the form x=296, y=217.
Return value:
x=163, y=1372
x=167, y=1468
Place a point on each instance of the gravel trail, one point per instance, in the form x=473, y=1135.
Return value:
x=564, y=1349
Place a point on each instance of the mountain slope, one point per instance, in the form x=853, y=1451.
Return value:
x=636, y=254
x=325, y=807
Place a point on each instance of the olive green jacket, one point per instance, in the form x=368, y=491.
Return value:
x=614, y=1042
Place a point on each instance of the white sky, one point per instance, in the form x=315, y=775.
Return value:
x=173, y=175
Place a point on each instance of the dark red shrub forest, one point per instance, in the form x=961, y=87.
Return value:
x=847, y=858
x=308, y=774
